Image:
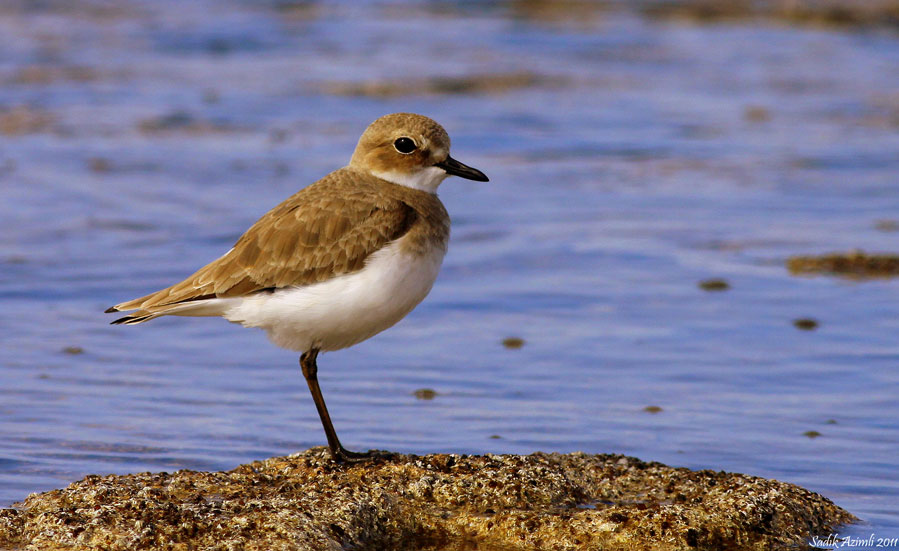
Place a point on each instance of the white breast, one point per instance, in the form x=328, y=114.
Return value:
x=343, y=311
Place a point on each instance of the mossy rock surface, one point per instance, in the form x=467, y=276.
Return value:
x=436, y=502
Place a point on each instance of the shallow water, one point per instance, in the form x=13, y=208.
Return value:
x=629, y=161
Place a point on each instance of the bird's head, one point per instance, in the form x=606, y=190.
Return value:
x=410, y=150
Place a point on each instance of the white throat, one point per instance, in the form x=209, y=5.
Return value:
x=426, y=179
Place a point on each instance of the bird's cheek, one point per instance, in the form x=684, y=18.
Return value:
x=382, y=160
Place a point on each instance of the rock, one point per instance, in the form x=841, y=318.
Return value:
x=715, y=284
x=181, y=121
x=513, y=343
x=511, y=502
x=805, y=324
x=831, y=13
x=853, y=265
x=24, y=119
x=496, y=83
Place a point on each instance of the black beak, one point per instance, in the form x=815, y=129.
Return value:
x=454, y=167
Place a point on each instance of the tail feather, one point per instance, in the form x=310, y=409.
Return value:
x=131, y=319
x=204, y=307
x=133, y=304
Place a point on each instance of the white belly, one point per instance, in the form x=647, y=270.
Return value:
x=343, y=311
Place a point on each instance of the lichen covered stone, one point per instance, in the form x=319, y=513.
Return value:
x=446, y=502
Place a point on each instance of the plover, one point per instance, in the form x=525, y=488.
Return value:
x=339, y=261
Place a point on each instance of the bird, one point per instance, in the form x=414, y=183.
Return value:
x=337, y=262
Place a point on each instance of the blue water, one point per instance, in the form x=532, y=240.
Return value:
x=635, y=159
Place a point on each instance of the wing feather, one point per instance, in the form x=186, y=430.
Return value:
x=329, y=228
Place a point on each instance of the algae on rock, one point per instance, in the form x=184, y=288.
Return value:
x=512, y=502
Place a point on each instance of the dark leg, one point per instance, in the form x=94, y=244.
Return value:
x=310, y=372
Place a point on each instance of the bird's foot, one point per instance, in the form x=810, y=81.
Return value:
x=343, y=455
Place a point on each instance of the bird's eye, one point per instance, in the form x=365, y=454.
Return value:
x=405, y=145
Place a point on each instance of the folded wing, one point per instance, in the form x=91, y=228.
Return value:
x=327, y=229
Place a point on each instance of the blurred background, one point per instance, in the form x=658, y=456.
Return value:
x=620, y=286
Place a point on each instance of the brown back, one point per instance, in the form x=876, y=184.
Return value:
x=328, y=228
